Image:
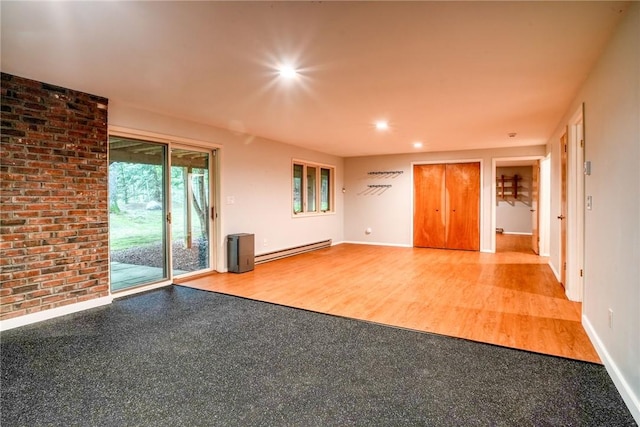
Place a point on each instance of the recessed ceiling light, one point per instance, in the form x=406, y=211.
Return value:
x=417, y=144
x=287, y=71
x=382, y=125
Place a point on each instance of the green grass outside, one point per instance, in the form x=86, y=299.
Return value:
x=140, y=227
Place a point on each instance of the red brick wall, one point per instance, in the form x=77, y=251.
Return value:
x=53, y=197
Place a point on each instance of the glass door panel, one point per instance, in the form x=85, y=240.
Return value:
x=137, y=212
x=190, y=210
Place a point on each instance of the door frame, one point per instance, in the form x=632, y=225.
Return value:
x=535, y=206
x=482, y=192
x=575, y=206
x=217, y=242
x=543, y=208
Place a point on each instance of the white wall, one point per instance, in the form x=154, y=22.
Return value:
x=390, y=213
x=611, y=96
x=514, y=215
x=256, y=173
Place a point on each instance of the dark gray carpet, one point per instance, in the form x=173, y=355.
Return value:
x=182, y=357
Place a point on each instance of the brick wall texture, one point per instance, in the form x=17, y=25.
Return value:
x=53, y=197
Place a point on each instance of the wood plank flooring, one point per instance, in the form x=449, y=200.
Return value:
x=510, y=298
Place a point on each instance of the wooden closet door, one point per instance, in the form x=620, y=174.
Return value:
x=463, y=206
x=428, y=206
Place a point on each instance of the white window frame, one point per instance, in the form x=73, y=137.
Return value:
x=303, y=212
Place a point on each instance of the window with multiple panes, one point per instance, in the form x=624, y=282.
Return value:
x=312, y=188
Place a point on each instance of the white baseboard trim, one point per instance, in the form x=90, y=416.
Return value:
x=630, y=399
x=397, y=245
x=39, y=316
x=555, y=273
x=291, y=251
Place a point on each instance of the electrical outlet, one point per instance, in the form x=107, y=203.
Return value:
x=610, y=319
x=589, y=203
x=265, y=242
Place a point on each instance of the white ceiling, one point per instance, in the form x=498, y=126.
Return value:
x=454, y=75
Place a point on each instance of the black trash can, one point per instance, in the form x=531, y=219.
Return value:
x=240, y=252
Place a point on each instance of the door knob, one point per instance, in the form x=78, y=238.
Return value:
x=560, y=216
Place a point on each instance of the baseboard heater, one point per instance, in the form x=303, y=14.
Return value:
x=283, y=253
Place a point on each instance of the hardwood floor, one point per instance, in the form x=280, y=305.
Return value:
x=510, y=298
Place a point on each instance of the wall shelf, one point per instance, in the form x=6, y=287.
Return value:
x=512, y=189
x=508, y=187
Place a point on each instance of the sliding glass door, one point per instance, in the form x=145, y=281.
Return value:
x=137, y=212
x=190, y=210
x=159, y=211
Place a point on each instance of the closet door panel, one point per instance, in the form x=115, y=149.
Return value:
x=429, y=206
x=463, y=206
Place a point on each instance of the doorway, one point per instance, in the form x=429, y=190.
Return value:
x=521, y=204
x=160, y=215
